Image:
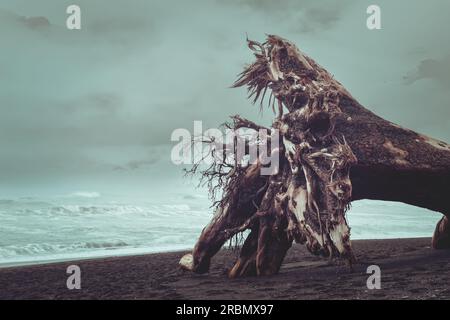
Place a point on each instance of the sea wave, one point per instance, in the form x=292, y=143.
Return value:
x=32, y=249
x=85, y=194
x=95, y=209
x=42, y=229
x=161, y=210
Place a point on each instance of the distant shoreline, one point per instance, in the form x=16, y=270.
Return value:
x=410, y=269
x=83, y=256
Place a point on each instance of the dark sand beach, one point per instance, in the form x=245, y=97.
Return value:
x=410, y=269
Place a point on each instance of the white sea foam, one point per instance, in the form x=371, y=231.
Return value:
x=36, y=230
x=85, y=194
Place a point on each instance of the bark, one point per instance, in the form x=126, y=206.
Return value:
x=395, y=163
x=441, y=236
x=332, y=151
x=227, y=218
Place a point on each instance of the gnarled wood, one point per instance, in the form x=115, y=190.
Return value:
x=441, y=236
x=332, y=151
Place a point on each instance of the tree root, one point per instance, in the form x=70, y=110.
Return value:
x=324, y=135
x=441, y=236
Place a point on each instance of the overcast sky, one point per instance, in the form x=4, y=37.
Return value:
x=93, y=110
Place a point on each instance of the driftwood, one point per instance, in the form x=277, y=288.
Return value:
x=332, y=151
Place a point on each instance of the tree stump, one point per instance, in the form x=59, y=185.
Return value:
x=331, y=151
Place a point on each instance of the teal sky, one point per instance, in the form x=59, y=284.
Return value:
x=92, y=110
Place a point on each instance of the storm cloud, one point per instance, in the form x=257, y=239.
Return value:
x=437, y=70
x=297, y=15
x=94, y=109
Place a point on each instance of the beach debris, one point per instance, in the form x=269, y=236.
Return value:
x=331, y=151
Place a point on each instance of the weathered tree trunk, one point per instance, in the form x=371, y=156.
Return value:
x=394, y=163
x=333, y=151
x=227, y=217
x=441, y=236
x=398, y=164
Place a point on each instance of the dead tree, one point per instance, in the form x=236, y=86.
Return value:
x=332, y=151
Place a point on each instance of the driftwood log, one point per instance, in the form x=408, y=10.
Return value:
x=332, y=151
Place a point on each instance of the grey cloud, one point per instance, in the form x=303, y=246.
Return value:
x=319, y=18
x=13, y=20
x=301, y=15
x=35, y=22
x=137, y=164
x=124, y=30
x=103, y=103
x=75, y=105
x=127, y=28
x=434, y=69
x=118, y=24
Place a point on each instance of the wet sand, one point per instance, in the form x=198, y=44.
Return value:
x=410, y=269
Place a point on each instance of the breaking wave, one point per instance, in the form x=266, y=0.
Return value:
x=35, y=230
x=46, y=248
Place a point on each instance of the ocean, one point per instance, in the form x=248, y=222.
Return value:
x=87, y=225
